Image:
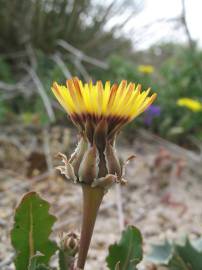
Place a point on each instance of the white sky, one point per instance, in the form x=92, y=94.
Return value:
x=155, y=10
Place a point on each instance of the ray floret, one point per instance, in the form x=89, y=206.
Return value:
x=118, y=104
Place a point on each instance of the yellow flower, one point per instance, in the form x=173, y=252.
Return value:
x=147, y=69
x=99, y=111
x=191, y=104
x=117, y=104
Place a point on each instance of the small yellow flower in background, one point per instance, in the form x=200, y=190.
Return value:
x=193, y=105
x=147, y=69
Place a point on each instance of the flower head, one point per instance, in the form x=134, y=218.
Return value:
x=88, y=104
x=146, y=69
x=99, y=112
x=193, y=105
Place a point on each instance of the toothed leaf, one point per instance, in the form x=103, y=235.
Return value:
x=177, y=256
x=126, y=254
x=31, y=231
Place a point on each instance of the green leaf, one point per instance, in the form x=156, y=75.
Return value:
x=177, y=263
x=31, y=231
x=160, y=254
x=128, y=252
x=186, y=256
x=191, y=256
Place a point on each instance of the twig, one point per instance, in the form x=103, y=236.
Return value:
x=32, y=72
x=31, y=54
x=13, y=87
x=195, y=59
x=184, y=22
x=82, y=70
x=58, y=60
x=10, y=95
x=80, y=55
x=42, y=93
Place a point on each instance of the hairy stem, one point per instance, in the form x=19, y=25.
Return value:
x=92, y=198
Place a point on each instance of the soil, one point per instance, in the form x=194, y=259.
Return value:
x=162, y=197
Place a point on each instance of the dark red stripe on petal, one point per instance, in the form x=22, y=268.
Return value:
x=100, y=86
x=123, y=86
x=112, y=94
x=77, y=86
x=131, y=88
x=70, y=86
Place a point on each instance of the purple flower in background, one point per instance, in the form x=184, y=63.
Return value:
x=152, y=112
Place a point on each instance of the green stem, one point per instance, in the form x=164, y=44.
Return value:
x=66, y=261
x=92, y=198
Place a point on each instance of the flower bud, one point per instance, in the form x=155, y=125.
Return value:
x=68, y=248
x=70, y=243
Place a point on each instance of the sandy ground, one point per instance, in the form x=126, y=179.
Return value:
x=162, y=198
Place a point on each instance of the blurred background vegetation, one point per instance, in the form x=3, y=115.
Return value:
x=46, y=40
